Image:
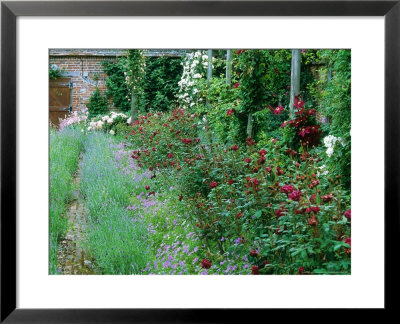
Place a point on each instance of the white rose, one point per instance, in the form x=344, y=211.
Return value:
x=112, y=132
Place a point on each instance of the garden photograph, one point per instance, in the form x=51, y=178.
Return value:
x=199, y=161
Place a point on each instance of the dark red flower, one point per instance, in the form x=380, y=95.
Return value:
x=301, y=270
x=295, y=195
x=247, y=160
x=299, y=103
x=249, y=141
x=255, y=270
x=287, y=189
x=327, y=198
x=347, y=214
x=230, y=112
x=236, y=85
x=278, y=110
x=348, y=241
x=238, y=215
x=314, y=183
x=180, y=197
x=265, y=262
x=147, y=187
x=253, y=253
x=206, y=264
x=234, y=148
x=262, y=152
x=213, y=184
x=230, y=182
x=170, y=155
x=279, y=213
x=261, y=160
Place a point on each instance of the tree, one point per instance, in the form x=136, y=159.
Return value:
x=135, y=73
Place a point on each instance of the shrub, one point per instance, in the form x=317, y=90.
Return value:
x=98, y=104
x=260, y=196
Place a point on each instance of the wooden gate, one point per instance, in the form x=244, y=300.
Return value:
x=60, y=101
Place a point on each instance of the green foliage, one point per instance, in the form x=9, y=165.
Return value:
x=252, y=68
x=55, y=73
x=117, y=88
x=98, y=103
x=158, y=89
x=65, y=147
x=334, y=97
x=161, y=82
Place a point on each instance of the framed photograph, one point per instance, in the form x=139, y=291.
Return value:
x=160, y=158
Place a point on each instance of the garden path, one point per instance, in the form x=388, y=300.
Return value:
x=72, y=257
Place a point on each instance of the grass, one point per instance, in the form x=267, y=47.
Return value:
x=65, y=148
x=117, y=240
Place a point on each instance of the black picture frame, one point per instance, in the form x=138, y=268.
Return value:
x=10, y=10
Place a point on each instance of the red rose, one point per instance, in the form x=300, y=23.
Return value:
x=287, y=189
x=249, y=141
x=253, y=253
x=213, y=184
x=230, y=182
x=265, y=262
x=348, y=241
x=255, y=270
x=247, y=160
x=206, y=264
x=236, y=85
x=262, y=152
x=301, y=270
x=230, y=112
x=261, y=160
x=295, y=195
x=147, y=187
x=347, y=214
x=234, y=148
x=170, y=155
x=327, y=198
x=279, y=213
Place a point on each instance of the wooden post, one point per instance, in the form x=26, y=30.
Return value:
x=209, y=71
x=133, y=106
x=228, y=66
x=250, y=125
x=295, y=80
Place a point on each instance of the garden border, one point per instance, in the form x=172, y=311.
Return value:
x=10, y=10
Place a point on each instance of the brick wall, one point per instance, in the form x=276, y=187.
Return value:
x=82, y=71
x=82, y=64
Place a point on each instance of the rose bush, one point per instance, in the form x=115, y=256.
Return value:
x=263, y=197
